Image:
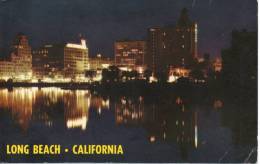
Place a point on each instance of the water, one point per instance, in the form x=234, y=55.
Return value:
x=176, y=129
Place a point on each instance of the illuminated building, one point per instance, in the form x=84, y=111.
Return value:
x=76, y=59
x=172, y=45
x=59, y=61
x=19, y=65
x=129, y=54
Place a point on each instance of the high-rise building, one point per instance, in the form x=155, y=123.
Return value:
x=19, y=65
x=129, y=54
x=172, y=46
x=76, y=59
x=69, y=60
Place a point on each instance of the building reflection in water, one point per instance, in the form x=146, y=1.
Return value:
x=19, y=102
x=168, y=122
x=46, y=105
x=76, y=106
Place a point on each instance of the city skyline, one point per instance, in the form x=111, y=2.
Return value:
x=103, y=22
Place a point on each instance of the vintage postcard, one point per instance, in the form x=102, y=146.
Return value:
x=128, y=81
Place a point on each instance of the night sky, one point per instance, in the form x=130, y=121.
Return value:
x=104, y=21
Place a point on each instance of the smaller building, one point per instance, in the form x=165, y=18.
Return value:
x=99, y=62
x=130, y=54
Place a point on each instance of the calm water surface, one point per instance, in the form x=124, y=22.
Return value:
x=176, y=129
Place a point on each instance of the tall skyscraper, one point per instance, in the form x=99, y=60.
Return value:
x=21, y=57
x=130, y=53
x=172, y=46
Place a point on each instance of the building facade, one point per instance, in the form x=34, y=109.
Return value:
x=76, y=59
x=129, y=54
x=172, y=46
x=6, y=70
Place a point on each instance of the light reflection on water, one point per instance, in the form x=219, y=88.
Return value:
x=23, y=102
x=174, y=122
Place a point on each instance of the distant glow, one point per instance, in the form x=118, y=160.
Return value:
x=105, y=103
x=34, y=80
x=105, y=65
x=125, y=69
x=48, y=46
x=196, y=136
x=183, y=109
x=99, y=111
x=218, y=104
x=123, y=101
x=178, y=101
x=172, y=79
x=164, y=135
x=140, y=70
x=152, y=139
x=196, y=32
x=153, y=79
x=196, y=132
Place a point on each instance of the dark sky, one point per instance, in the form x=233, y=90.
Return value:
x=104, y=21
